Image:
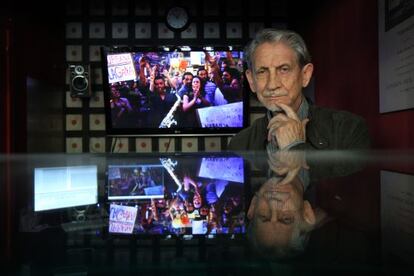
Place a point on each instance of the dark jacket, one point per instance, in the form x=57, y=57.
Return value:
x=327, y=129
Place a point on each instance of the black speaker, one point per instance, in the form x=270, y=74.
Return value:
x=80, y=81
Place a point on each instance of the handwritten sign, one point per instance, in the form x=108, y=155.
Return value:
x=228, y=115
x=122, y=218
x=121, y=68
x=230, y=169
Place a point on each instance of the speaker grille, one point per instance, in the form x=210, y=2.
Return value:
x=79, y=82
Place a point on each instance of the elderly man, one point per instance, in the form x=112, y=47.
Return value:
x=279, y=66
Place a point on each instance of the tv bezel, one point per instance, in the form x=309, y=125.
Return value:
x=159, y=132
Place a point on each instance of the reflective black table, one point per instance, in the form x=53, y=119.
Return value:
x=225, y=213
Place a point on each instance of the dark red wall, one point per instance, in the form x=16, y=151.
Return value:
x=343, y=40
x=35, y=41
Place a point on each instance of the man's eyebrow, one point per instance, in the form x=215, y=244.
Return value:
x=277, y=67
x=261, y=68
x=286, y=219
x=282, y=65
x=290, y=222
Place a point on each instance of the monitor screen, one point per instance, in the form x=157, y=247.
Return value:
x=62, y=187
x=176, y=91
x=135, y=182
x=197, y=199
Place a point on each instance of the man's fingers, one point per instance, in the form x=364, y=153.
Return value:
x=304, y=122
x=272, y=128
x=277, y=120
x=281, y=170
x=281, y=117
x=289, y=111
x=290, y=176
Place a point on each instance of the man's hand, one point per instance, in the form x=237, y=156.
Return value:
x=165, y=73
x=152, y=73
x=187, y=181
x=143, y=62
x=287, y=163
x=287, y=128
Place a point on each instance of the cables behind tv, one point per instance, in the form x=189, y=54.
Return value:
x=168, y=144
x=113, y=144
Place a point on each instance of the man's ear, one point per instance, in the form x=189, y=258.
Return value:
x=252, y=206
x=308, y=214
x=307, y=72
x=249, y=76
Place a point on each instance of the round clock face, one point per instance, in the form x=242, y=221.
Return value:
x=177, y=18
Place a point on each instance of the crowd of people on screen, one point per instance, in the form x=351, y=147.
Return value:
x=163, y=95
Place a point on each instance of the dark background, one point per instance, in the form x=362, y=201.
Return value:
x=342, y=37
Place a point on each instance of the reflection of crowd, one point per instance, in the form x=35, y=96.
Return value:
x=162, y=89
x=132, y=182
x=195, y=203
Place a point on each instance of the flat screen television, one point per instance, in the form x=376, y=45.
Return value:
x=198, y=198
x=155, y=92
x=63, y=187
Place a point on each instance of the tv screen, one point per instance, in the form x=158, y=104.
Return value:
x=197, y=199
x=135, y=182
x=63, y=187
x=176, y=91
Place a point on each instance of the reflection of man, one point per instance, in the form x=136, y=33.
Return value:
x=280, y=216
x=279, y=66
x=280, y=221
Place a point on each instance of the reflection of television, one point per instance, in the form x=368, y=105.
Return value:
x=62, y=187
x=135, y=107
x=199, y=199
x=135, y=182
x=230, y=168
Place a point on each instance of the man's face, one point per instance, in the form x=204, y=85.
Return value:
x=202, y=74
x=240, y=65
x=115, y=92
x=226, y=77
x=204, y=211
x=189, y=206
x=276, y=212
x=276, y=76
x=159, y=85
x=211, y=73
x=197, y=201
x=187, y=80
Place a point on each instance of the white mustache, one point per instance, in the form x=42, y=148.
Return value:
x=278, y=196
x=274, y=93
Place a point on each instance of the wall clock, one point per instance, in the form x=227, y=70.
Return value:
x=177, y=18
